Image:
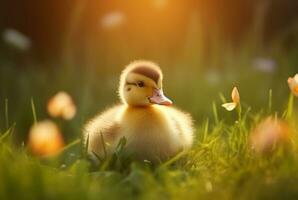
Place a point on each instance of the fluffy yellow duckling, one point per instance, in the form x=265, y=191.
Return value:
x=154, y=130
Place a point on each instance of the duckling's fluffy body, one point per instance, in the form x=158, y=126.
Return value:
x=153, y=132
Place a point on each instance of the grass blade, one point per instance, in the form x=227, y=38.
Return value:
x=289, y=112
x=215, y=113
x=33, y=111
x=206, y=129
x=8, y=132
x=270, y=101
x=97, y=156
x=175, y=158
x=85, y=151
x=6, y=114
x=103, y=145
x=222, y=98
x=73, y=143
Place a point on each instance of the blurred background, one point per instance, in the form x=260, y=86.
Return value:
x=205, y=47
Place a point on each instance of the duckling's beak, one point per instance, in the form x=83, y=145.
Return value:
x=159, y=98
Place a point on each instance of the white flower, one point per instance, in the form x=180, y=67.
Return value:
x=16, y=39
x=293, y=84
x=235, y=100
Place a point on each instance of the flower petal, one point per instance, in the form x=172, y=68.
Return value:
x=295, y=90
x=296, y=78
x=229, y=106
x=235, y=95
x=293, y=84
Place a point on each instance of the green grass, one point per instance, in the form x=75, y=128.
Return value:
x=221, y=165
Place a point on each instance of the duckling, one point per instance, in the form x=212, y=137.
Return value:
x=154, y=130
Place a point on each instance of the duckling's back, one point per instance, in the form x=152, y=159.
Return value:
x=105, y=126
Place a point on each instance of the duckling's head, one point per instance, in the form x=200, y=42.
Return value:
x=141, y=85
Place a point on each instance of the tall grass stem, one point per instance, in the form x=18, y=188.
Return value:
x=6, y=114
x=270, y=101
x=33, y=111
x=215, y=113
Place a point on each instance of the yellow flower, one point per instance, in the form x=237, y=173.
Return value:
x=293, y=84
x=62, y=105
x=269, y=134
x=45, y=138
x=235, y=100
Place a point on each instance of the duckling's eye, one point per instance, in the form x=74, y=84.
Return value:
x=140, y=84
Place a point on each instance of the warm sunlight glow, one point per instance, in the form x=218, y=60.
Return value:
x=160, y=4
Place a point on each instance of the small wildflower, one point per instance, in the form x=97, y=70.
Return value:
x=45, y=138
x=62, y=105
x=269, y=134
x=235, y=98
x=293, y=84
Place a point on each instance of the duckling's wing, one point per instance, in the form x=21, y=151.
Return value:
x=184, y=125
x=104, y=126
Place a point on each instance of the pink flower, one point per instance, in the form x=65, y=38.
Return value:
x=269, y=134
